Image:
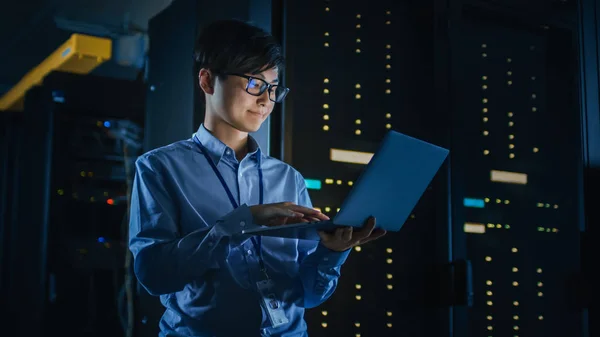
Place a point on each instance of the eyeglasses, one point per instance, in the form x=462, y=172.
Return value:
x=257, y=86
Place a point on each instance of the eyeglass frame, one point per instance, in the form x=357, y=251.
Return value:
x=268, y=88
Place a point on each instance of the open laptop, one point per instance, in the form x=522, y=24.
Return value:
x=388, y=189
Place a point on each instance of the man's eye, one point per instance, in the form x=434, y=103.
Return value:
x=254, y=83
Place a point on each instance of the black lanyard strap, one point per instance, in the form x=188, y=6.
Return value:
x=256, y=240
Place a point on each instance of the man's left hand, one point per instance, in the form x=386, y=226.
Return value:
x=345, y=238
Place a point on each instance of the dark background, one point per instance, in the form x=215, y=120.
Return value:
x=505, y=85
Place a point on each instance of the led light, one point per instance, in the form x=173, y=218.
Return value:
x=511, y=136
x=389, y=261
x=327, y=9
x=357, y=121
x=388, y=91
x=358, y=26
x=326, y=117
x=347, y=156
x=325, y=127
x=534, y=109
x=339, y=182
x=534, y=96
x=358, y=41
x=509, y=73
x=485, y=119
x=515, y=269
x=357, y=324
x=358, y=297
x=541, y=318
x=486, y=199
x=389, y=314
x=313, y=184
x=358, y=248
x=539, y=270
x=357, y=86
x=540, y=284
x=486, y=132
x=388, y=46
x=516, y=303
x=350, y=183
x=488, y=258
x=488, y=282
x=388, y=126
x=328, y=209
x=388, y=81
x=489, y=293
x=508, y=177
x=357, y=50
x=325, y=106
x=388, y=115
x=515, y=284
x=486, y=152
x=358, y=286
x=326, y=33
x=326, y=44
x=389, y=325
x=326, y=91
x=536, y=150
x=510, y=114
x=489, y=318
x=388, y=57
x=490, y=328
x=511, y=156
x=329, y=181
x=388, y=250
x=358, y=16
x=511, y=124
x=511, y=146
x=325, y=80
x=516, y=318
x=489, y=303
x=484, y=87
x=509, y=82
x=485, y=110
x=388, y=22
x=514, y=250
x=483, y=55
x=485, y=100
x=390, y=287
x=324, y=324
x=509, y=60
x=484, y=77
x=540, y=294
x=357, y=96
x=388, y=66
x=324, y=313
x=357, y=132
x=476, y=203
x=475, y=228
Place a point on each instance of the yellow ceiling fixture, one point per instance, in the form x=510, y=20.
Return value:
x=80, y=54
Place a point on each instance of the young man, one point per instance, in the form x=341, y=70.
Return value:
x=191, y=199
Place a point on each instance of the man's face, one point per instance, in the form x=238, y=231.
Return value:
x=232, y=103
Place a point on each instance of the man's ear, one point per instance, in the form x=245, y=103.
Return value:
x=206, y=79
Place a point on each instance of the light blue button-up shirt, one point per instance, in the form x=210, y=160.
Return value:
x=186, y=241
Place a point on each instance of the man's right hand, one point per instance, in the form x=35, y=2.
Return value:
x=283, y=213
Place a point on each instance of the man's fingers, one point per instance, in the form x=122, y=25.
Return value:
x=366, y=231
x=376, y=235
x=308, y=212
x=347, y=234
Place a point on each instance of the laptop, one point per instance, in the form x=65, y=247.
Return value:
x=388, y=188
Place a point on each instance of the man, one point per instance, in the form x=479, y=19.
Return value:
x=191, y=199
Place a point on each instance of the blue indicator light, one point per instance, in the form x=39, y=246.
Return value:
x=313, y=184
x=477, y=203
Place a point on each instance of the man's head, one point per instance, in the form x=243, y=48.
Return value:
x=238, y=69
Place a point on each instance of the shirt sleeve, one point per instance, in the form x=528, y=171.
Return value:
x=320, y=267
x=164, y=260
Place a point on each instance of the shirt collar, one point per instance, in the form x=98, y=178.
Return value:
x=218, y=150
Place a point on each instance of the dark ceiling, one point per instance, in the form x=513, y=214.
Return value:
x=32, y=29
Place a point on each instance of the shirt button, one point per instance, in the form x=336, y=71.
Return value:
x=242, y=223
x=249, y=252
x=228, y=152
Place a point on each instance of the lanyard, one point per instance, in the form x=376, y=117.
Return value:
x=256, y=241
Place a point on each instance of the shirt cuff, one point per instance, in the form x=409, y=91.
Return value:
x=234, y=222
x=327, y=258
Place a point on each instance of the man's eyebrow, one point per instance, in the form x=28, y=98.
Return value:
x=262, y=77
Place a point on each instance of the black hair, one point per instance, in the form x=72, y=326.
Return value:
x=238, y=47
